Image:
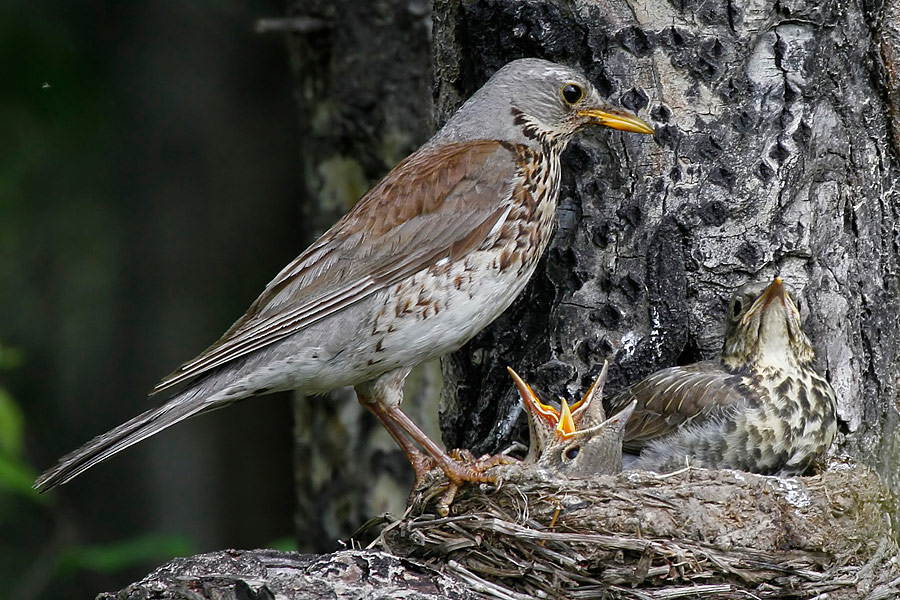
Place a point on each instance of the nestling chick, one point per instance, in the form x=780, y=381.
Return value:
x=760, y=407
x=578, y=441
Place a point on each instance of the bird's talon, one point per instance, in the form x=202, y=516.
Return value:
x=421, y=464
x=443, y=505
x=488, y=461
x=461, y=468
x=463, y=455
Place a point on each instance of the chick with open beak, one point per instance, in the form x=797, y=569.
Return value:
x=576, y=440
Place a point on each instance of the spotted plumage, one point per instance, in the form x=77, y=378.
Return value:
x=432, y=254
x=760, y=407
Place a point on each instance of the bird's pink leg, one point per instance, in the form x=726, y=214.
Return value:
x=458, y=470
x=421, y=462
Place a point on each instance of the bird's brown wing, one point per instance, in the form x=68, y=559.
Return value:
x=439, y=203
x=673, y=397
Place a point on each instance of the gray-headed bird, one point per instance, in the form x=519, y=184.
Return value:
x=426, y=259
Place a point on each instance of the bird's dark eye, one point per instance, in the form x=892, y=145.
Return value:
x=572, y=93
x=572, y=452
x=736, y=307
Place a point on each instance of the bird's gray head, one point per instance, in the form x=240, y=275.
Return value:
x=763, y=328
x=577, y=441
x=530, y=101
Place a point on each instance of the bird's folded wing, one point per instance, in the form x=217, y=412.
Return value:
x=439, y=203
x=674, y=397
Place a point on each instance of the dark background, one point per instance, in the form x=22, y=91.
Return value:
x=148, y=192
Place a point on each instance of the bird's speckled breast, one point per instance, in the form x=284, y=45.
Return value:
x=413, y=319
x=787, y=420
x=791, y=421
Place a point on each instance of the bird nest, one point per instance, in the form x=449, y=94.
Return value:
x=695, y=533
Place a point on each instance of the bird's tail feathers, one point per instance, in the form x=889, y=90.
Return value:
x=139, y=428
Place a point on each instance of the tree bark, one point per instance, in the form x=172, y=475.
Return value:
x=772, y=156
x=362, y=74
x=270, y=574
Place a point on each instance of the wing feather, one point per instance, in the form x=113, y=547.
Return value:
x=439, y=203
x=673, y=397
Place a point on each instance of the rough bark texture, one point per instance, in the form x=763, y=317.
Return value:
x=889, y=34
x=772, y=155
x=362, y=73
x=270, y=574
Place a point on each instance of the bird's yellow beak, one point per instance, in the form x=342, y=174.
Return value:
x=532, y=404
x=566, y=426
x=599, y=382
x=561, y=421
x=773, y=292
x=617, y=120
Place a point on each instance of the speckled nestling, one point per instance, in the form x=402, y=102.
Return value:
x=576, y=440
x=761, y=407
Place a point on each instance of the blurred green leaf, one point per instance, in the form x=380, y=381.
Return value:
x=287, y=544
x=10, y=358
x=12, y=424
x=15, y=474
x=115, y=556
x=18, y=477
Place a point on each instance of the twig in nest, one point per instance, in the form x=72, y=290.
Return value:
x=703, y=534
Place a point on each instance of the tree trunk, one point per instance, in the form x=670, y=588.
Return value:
x=362, y=74
x=271, y=574
x=772, y=156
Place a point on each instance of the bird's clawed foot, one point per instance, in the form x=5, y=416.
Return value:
x=421, y=463
x=461, y=466
x=425, y=455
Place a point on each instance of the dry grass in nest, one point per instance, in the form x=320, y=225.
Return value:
x=692, y=534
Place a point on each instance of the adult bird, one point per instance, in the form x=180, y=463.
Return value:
x=760, y=407
x=576, y=441
x=427, y=258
